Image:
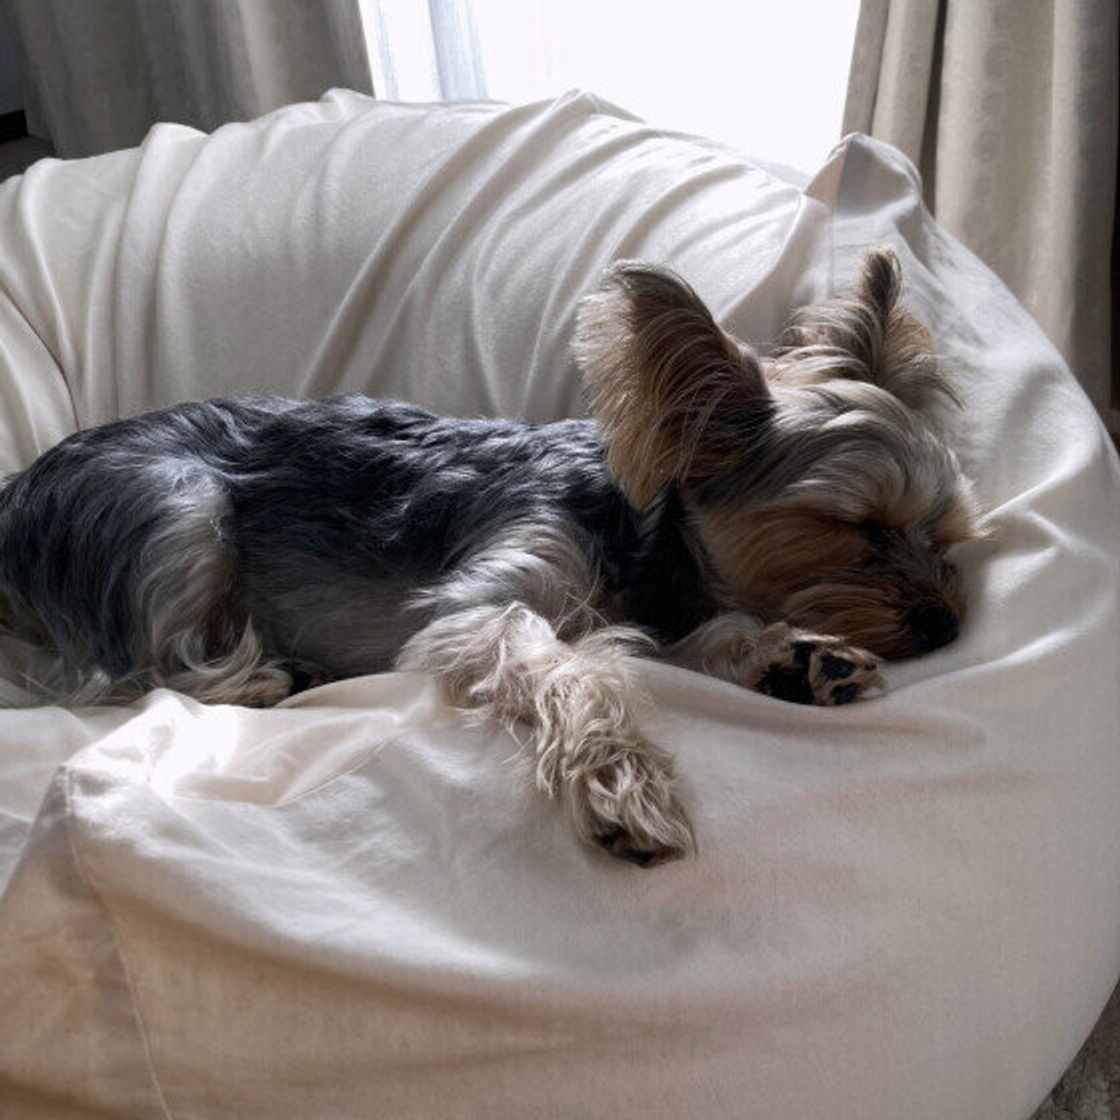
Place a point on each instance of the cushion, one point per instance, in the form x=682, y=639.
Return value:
x=355, y=904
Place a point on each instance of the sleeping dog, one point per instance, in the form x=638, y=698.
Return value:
x=781, y=521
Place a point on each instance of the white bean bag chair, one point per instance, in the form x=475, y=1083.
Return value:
x=355, y=905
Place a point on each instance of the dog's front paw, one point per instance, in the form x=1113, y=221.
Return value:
x=629, y=807
x=807, y=668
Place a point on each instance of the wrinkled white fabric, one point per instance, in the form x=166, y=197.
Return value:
x=355, y=904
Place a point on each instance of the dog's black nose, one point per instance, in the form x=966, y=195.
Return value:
x=933, y=625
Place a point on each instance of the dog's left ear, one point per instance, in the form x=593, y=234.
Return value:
x=864, y=334
x=677, y=398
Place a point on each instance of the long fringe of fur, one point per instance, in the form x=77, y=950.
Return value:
x=188, y=637
x=536, y=562
x=672, y=393
x=574, y=701
x=864, y=335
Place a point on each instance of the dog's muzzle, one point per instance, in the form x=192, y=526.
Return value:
x=933, y=625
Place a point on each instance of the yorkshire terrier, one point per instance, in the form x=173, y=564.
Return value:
x=781, y=521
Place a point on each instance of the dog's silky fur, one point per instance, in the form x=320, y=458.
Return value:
x=768, y=519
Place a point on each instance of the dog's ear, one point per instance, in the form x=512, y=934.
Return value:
x=865, y=335
x=676, y=398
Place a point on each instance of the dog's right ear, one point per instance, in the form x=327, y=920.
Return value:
x=865, y=335
x=675, y=397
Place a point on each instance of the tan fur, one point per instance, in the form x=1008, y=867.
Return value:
x=661, y=375
x=864, y=334
x=775, y=564
x=815, y=478
x=572, y=703
x=536, y=563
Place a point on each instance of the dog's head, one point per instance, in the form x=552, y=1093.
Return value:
x=814, y=478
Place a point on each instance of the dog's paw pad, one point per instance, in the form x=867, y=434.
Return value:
x=845, y=693
x=787, y=682
x=813, y=669
x=834, y=667
x=640, y=851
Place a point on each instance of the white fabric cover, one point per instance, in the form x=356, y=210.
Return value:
x=355, y=905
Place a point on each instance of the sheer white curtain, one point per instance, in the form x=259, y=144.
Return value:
x=423, y=50
x=760, y=75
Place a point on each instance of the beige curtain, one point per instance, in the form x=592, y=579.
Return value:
x=99, y=73
x=1009, y=110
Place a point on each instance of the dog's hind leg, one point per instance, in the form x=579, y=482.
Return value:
x=192, y=636
x=133, y=586
x=569, y=702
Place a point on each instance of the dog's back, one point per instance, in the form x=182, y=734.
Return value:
x=218, y=546
x=349, y=508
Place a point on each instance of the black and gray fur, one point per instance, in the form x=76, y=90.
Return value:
x=323, y=521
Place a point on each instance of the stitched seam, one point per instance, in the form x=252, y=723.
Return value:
x=367, y=754
x=68, y=775
x=56, y=362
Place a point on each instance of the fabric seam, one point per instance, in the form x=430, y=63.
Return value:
x=56, y=361
x=68, y=775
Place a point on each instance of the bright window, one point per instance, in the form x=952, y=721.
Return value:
x=765, y=76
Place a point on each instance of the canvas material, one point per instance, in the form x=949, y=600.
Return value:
x=356, y=903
